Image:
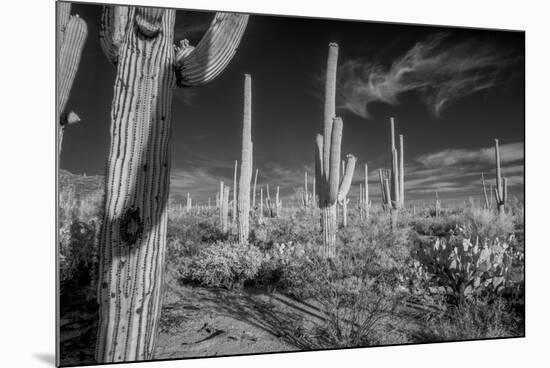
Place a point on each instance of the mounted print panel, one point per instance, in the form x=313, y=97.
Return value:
x=235, y=184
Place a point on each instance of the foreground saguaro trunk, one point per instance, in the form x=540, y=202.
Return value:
x=246, y=165
x=71, y=36
x=139, y=41
x=327, y=159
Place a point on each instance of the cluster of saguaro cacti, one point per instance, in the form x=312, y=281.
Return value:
x=71, y=36
x=393, y=181
x=364, y=203
x=327, y=159
x=501, y=189
x=139, y=41
x=245, y=177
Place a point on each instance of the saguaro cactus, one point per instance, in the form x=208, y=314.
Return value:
x=139, y=41
x=71, y=36
x=234, y=211
x=306, y=194
x=501, y=190
x=364, y=203
x=246, y=164
x=327, y=159
x=225, y=210
x=254, y=191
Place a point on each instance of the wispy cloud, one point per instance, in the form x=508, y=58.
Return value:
x=510, y=152
x=439, y=72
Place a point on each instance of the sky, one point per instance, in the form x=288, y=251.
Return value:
x=452, y=91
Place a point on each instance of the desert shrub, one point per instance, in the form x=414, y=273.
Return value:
x=437, y=226
x=221, y=264
x=297, y=226
x=488, y=223
x=477, y=318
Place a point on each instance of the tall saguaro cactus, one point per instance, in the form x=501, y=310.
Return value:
x=327, y=159
x=71, y=36
x=139, y=41
x=246, y=164
x=501, y=190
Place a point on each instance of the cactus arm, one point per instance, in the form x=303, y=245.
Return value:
x=319, y=164
x=74, y=36
x=113, y=29
x=201, y=64
x=335, y=148
x=348, y=176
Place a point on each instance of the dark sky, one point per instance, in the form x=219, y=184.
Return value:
x=451, y=91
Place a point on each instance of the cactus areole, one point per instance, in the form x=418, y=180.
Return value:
x=139, y=41
x=327, y=159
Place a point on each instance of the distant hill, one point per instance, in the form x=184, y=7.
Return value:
x=84, y=185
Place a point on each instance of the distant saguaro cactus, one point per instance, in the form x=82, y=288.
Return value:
x=501, y=190
x=71, y=36
x=225, y=209
x=306, y=194
x=254, y=191
x=246, y=164
x=234, y=211
x=139, y=41
x=327, y=159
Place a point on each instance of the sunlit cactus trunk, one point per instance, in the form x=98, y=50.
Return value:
x=327, y=160
x=306, y=194
x=189, y=203
x=501, y=189
x=225, y=210
x=246, y=165
x=139, y=41
x=71, y=36
x=254, y=191
x=234, y=211
x=401, y=172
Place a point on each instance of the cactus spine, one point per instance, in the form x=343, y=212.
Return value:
x=327, y=159
x=71, y=36
x=246, y=164
x=501, y=190
x=139, y=41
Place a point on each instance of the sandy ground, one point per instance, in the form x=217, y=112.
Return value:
x=198, y=322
